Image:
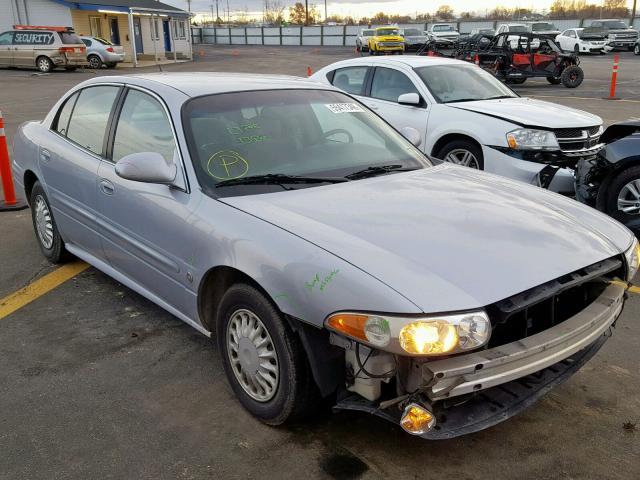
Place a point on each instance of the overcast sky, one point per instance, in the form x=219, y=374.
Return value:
x=358, y=8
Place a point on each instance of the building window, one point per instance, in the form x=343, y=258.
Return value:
x=155, y=29
x=182, y=29
x=95, y=25
x=174, y=24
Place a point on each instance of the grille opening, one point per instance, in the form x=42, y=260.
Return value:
x=547, y=305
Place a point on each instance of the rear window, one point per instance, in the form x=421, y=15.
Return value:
x=517, y=28
x=70, y=39
x=412, y=32
x=541, y=27
x=616, y=24
x=102, y=41
x=443, y=28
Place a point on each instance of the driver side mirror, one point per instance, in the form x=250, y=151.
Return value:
x=409, y=99
x=412, y=135
x=147, y=167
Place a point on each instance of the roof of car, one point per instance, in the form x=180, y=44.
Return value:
x=207, y=83
x=412, y=61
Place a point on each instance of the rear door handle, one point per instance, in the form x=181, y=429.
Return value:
x=106, y=186
x=45, y=156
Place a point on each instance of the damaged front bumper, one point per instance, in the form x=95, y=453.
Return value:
x=471, y=392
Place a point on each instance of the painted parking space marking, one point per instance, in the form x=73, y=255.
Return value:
x=39, y=287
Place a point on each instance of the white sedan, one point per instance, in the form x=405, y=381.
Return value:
x=581, y=40
x=466, y=116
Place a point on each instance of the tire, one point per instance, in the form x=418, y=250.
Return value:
x=44, y=64
x=572, y=76
x=576, y=49
x=458, y=149
x=636, y=49
x=45, y=228
x=632, y=48
x=295, y=393
x=607, y=201
x=554, y=80
x=94, y=61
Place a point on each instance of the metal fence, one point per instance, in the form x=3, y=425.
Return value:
x=340, y=35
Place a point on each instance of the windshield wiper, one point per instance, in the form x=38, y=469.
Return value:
x=379, y=170
x=277, y=179
x=458, y=100
x=498, y=97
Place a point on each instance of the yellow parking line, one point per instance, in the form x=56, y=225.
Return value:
x=36, y=289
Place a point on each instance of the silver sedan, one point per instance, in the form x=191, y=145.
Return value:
x=322, y=250
x=101, y=52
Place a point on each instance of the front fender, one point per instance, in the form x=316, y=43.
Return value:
x=303, y=280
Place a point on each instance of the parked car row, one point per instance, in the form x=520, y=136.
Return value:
x=47, y=48
x=326, y=254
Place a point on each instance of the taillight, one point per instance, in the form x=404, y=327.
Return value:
x=110, y=49
x=66, y=49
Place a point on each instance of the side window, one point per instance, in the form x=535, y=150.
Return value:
x=87, y=42
x=88, y=123
x=350, y=79
x=143, y=126
x=389, y=84
x=64, y=114
x=6, y=38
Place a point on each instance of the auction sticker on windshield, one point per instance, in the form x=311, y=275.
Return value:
x=344, y=107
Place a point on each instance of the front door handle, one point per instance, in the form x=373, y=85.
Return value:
x=106, y=187
x=45, y=156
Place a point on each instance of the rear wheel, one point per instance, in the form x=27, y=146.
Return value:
x=554, y=80
x=462, y=152
x=572, y=76
x=95, y=61
x=621, y=200
x=636, y=49
x=47, y=234
x=263, y=358
x=44, y=64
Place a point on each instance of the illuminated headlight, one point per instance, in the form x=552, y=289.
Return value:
x=438, y=335
x=530, y=139
x=632, y=256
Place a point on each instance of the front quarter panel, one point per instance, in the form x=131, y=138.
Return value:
x=304, y=280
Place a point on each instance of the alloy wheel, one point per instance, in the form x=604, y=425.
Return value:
x=629, y=198
x=462, y=157
x=94, y=62
x=44, y=223
x=252, y=354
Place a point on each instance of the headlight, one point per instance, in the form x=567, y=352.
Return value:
x=438, y=335
x=529, y=139
x=632, y=257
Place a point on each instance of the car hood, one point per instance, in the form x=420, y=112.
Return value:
x=529, y=112
x=447, y=237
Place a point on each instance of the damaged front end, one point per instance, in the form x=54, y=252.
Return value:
x=539, y=338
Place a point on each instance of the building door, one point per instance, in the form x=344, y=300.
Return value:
x=167, y=35
x=137, y=33
x=115, y=31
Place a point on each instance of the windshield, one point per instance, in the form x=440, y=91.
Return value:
x=387, y=31
x=544, y=26
x=518, y=28
x=461, y=83
x=412, y=32
x=615, y=24
x=443, y=28
x=306, y=133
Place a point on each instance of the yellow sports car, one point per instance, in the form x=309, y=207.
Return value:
x=386, y=39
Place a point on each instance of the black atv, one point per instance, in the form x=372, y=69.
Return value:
x=514, y=57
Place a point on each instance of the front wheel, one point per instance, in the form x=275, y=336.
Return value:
x=462, y=152
x=572, y=76
x=47, y=234
x=636, y=49
x=263, y=358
